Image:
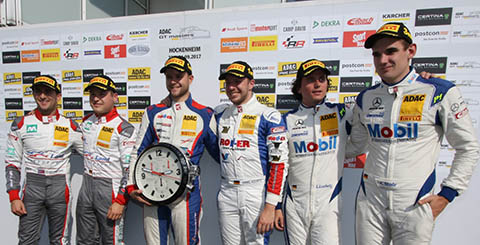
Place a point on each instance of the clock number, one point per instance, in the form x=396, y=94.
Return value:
x=161, y=183
x=162, y=196
x=178, y=171
x=159, y=153
x=143, y=175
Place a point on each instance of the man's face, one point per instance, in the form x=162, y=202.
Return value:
x=391, y=59
x=102, y=101
x=178, y=84
x=46, y=99
x=239, y=90
x=313, y=88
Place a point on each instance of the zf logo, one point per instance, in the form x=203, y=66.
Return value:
x=32, y=128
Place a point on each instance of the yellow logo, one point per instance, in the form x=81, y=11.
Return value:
x=313, y=63
x=105, y=135
x=50, y=54
x=188, y=133
x=266, y=99
x=99, y=80
x=189, y=122
x=72, y=76
x=329, y=124
x=139, y=73
x=263, y=43
x=175, y=61
x=75, y=115
x=135, y=116
x=122, y=103
x=11, y=115
x=412, y=107
x=237, y=67
x=12, y=78
x=247, y=124
x=389, y=27
x=333, y=84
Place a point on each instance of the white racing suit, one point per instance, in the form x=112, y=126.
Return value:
x=108, y=142
x=188, y=125
x=316, y=138
x=402, y=126
x=254, y=153
x=43, y=145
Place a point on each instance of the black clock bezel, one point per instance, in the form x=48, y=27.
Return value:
x=184, y=175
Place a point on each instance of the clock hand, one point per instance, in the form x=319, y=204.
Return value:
x=160, y=173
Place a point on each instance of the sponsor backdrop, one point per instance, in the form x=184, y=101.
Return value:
x=274, y=40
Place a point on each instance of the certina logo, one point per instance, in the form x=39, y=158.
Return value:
x=360, y=21
x=396, y=16
x=410, y=130
x=325, y=23
x=429, y=17
x=304, y=147
x=434, y=64
x=255, y=28
x=235, y=143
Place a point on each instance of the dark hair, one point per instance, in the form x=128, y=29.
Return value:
x=298, y=83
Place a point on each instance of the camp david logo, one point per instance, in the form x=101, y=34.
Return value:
x=31, y=128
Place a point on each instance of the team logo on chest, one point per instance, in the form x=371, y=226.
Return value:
x=60, y=136
x=412, y=107
x=105, y=136
x=189, y=125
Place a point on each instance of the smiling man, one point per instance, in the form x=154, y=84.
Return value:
x=401, y=122
x=254, y=163
x=317, y=135
x=187, y=124
x=108, y=141
x=42, y=142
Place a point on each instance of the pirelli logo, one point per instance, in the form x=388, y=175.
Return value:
x=412, y=107
x=175, y=61
x=329, y=124
x=389, y=27
x=61, y=144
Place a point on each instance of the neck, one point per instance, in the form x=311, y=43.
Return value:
x=312, y=103
x=182, y=98
x=51, y=112
x=250, y=94
x=396, y=79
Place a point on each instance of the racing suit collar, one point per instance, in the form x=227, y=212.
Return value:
x=178, y=105
x=109, y=116
x=406, y=81
x=315, y=107
x=244, y=107
x=47, y=119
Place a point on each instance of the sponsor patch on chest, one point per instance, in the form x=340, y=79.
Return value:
x=329, y=124
x=412, y=107
x=247, y=124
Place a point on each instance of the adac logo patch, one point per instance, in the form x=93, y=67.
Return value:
x=412, y=107
x=189, y=122
x=329, y=124
x=60, y=134
x=247, y=124
x=105, y=135
x=31, y=128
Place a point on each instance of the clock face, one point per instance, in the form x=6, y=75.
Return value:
x=161, y=174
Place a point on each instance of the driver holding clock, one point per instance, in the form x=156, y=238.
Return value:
x=185, y=124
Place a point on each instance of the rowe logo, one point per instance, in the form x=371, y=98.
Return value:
x=303, y=147
x=410, y=131
x=32, y=128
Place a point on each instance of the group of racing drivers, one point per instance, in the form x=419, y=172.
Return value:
x=282, y=171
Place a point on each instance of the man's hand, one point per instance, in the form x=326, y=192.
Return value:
x=18, y=208
x=265, y=222
x=135, y=195
x=426, y=75
x=115, y=211
x=279, y=220
x=437, y=203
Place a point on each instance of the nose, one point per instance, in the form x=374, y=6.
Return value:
x=383, y=58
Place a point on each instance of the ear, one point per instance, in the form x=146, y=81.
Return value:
x=59, y=97
x=115, y=97
x=412, y=50
x=190, y=79
x=251, y=84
